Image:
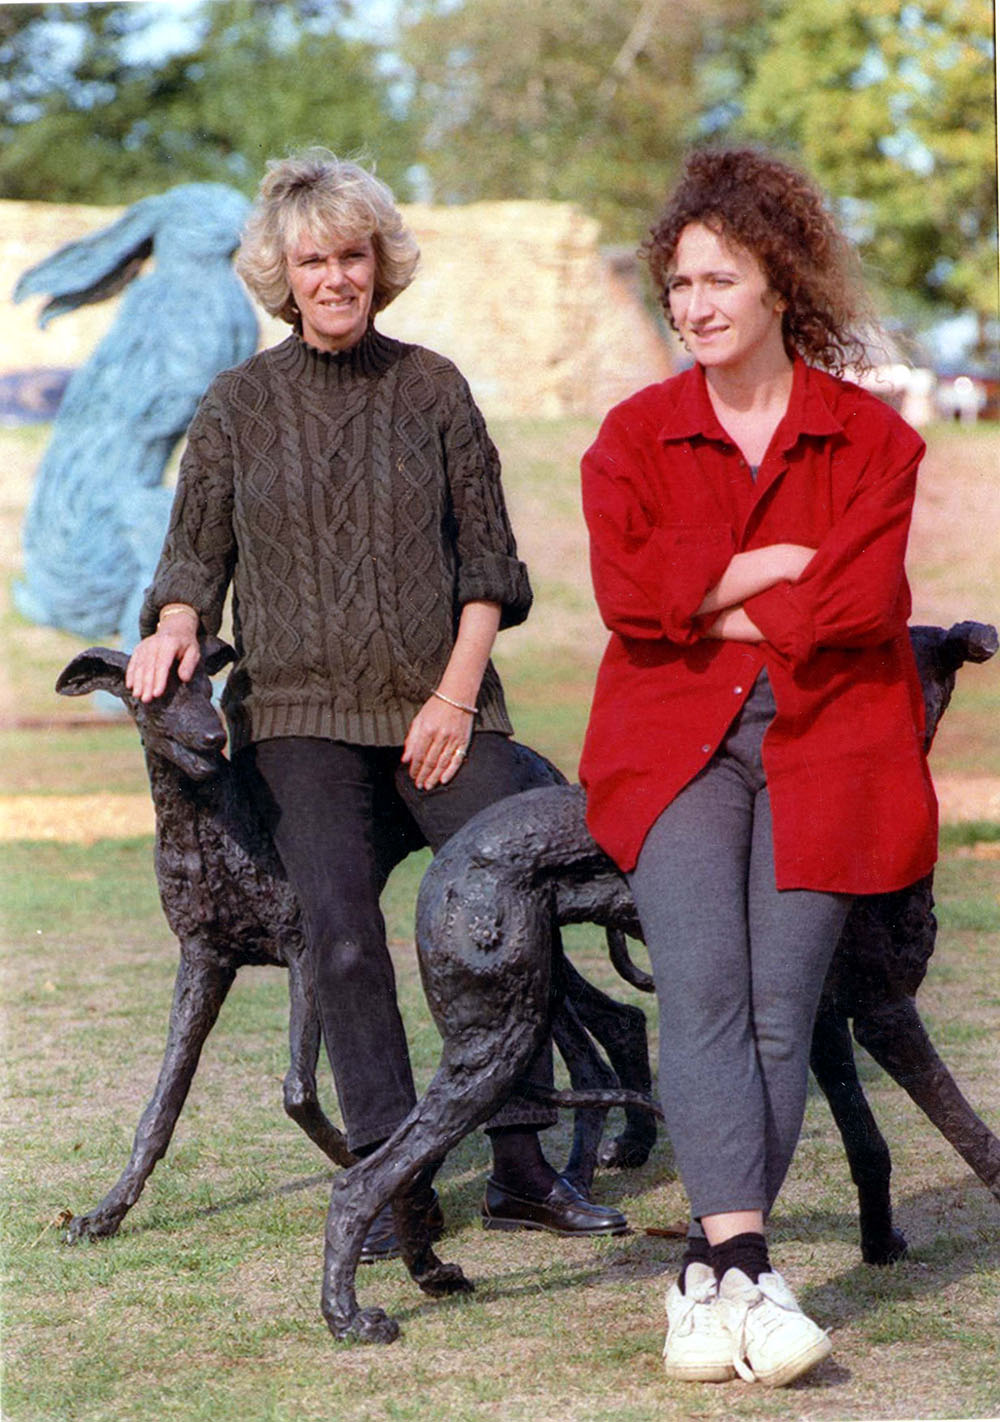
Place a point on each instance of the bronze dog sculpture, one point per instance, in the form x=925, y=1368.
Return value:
x=227, y=900
x=493, y=971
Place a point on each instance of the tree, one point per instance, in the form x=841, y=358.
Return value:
x=892, y=108
x=259, y=77
x=557, y=99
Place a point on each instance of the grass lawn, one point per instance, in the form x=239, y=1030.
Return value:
x=206, y=1303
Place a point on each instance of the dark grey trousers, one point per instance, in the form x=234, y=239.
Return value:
x=342, y=816
x=739, y=968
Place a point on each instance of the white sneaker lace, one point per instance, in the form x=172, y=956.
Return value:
x=693, y=1297
x=766, y=1324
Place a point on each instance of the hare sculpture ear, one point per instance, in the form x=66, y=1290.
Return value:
x=95, y=267
x=96, y=669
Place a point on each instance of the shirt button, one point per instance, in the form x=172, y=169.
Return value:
x=737, y=691
x=705, y=750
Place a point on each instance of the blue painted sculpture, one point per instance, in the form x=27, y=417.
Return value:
x=99, y=509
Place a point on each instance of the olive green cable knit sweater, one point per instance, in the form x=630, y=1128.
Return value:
x=354, y=501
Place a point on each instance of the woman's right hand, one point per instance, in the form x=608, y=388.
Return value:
x=175, y=640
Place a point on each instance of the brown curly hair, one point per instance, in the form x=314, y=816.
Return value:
x=758, y=202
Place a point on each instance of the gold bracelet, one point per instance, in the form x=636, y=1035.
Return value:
x=458, y=705
x=172, y=609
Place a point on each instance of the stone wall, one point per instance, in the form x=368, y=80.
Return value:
x=518, y=294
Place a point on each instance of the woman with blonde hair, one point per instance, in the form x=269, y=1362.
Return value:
x=344, y=485
x=754, y=754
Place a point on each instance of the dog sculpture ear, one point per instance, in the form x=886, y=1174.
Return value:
x=96, y=266
x=96, y=669
x=216, y=654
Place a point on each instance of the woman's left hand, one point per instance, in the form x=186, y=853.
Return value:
x=436, y=743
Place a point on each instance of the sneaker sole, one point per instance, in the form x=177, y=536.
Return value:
x=795, y=1367
x=704, y=1372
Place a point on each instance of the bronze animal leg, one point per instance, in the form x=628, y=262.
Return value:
x=834, y=1067
x=301, y=1098
x=621, y=1030
x=897, y=1039
x=200, y=989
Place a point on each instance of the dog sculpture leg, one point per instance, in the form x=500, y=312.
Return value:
x=833, y=1065
x=621, y=1031
x=487, y=983
x=587, y=1070
x=462, y=1095
x=200, y=989
x=897, y=1039
x=301, y=1098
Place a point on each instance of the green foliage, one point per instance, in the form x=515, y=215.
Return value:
x=892, y=108
x=547, y=99
x=257, y=80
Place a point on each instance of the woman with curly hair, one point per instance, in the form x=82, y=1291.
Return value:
x=754, y=753
x=346, y=487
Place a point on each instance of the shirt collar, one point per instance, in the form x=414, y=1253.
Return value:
x=689, y=410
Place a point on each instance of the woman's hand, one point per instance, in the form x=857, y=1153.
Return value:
x=175, y=640
x=436, y=743
x=440, y=732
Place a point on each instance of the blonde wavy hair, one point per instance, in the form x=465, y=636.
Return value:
x=316, y=193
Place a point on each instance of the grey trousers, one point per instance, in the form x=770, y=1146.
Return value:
x=739, y=968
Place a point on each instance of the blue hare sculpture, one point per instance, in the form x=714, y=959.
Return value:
x=99, y=508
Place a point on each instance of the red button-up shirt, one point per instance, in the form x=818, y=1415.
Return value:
x=669, y=500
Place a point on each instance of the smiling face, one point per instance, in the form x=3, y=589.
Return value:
x=722, y=305
x=332, y=281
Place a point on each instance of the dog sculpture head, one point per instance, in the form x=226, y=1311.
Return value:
x=939, y=654
x=182, y=725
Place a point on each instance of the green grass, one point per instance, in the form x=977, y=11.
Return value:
x=206, y=1304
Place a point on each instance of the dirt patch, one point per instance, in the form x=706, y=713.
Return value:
x=83, y=819
x=76, y=819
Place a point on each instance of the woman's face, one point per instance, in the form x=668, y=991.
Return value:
x=332, y=283
x=722, y=306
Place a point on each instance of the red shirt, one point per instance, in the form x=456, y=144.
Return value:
x=668, y=500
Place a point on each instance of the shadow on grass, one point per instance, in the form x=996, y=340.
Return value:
x=953, y=1232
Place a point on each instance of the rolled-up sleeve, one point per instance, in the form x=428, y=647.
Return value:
x=853, y=593
x=649, y=578
x=199, y=550
x=488, y=566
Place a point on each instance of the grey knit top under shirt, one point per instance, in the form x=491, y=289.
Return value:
x=354, y=501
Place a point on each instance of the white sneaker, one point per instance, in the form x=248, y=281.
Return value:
x=697, y=1348
x=772, y=1340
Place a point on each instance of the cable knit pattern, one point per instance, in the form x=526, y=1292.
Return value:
x=354, y=502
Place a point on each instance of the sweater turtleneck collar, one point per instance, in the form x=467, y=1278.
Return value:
x=298, y=360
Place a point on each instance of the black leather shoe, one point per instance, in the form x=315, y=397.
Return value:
x=563, y=1211
x=381, y=1242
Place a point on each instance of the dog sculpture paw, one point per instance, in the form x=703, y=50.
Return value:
x=881, y=1248
x=368, y=1325
x=95, y=1224
x=444, y=1279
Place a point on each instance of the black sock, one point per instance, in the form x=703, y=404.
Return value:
x=744, y=1251
x=518, y=1162
x=697, y=1250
